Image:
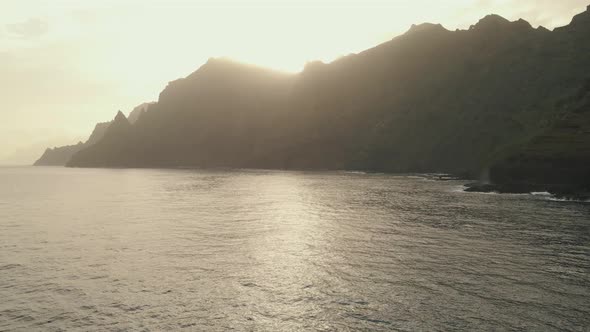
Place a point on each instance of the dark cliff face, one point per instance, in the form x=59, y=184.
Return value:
x=557, y=157
x=98, y=132
x=60, y=156
x=428, y=100
x=118, y=131
x=222, y=114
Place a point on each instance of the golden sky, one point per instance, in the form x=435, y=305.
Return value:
x=67, y=64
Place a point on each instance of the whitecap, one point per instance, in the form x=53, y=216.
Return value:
x=557, y=199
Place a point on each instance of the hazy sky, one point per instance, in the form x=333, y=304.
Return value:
x=67, y=64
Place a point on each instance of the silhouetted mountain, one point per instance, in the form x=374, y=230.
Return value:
x=430, y=100
x=60, y=156
x=118, y=131
x=138, y=111
x=191, y=115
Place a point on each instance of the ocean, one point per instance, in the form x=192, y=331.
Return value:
x=256, y=250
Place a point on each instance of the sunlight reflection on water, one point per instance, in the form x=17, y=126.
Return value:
x=91, y=249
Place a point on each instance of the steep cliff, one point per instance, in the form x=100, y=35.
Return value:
x=430, y=100
x=60, y=156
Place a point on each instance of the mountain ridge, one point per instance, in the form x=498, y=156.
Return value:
x=60, y=156
x=428, y=100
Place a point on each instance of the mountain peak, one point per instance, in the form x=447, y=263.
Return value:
x=580, y=21
x=119, y=123
x=492, y=19
x=220, y=61
x=314, y=65
x=582, y=18
x=494, y=22
x=138, y=111
x=523, y=23
x=224, y=66
x=229, y=63
x=120, y=117
x=117, y=128
x=426, y=27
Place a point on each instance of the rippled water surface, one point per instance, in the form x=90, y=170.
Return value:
x=150, y=250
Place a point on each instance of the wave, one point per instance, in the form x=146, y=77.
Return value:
x=568, y=200
x=545, y=195
x=460, y=189
x=356, y=172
